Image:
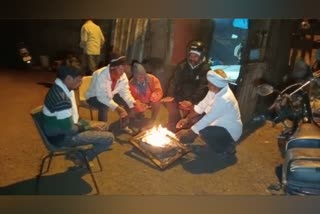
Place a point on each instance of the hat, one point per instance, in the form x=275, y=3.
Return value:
x=195, y=52
x=196, y=47
x=117, y=59
x=216, y=78
x=137, y=68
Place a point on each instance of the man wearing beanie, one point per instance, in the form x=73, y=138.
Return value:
x=216, y=118
x=109, y=87
x=145, y=88
x=188, y=85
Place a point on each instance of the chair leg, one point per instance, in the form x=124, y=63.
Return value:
x=40, y=171
x=91, y=173
x=49, y=164
x=91, y=114
x=99, y=163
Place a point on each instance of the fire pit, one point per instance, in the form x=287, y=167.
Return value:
x=160, y=146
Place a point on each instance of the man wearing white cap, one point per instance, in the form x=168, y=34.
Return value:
x=216, y=118
x=188, y=85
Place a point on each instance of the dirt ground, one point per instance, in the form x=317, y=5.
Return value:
x=125, y=170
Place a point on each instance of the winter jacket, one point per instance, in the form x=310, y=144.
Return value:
x=153, y=93
x=189, y=84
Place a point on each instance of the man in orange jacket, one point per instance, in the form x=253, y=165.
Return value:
x=145, y=88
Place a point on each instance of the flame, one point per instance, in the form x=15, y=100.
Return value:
x=158, y=136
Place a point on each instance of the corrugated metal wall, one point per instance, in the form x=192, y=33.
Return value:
x=129, y=37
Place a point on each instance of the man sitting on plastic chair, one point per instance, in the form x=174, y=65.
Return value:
x=61, y=121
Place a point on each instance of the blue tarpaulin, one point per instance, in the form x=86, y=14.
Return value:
x=240, y=23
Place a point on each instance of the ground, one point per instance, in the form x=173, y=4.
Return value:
x=125, y=170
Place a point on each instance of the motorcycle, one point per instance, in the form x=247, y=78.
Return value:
x=24, y=56
x=299, y=142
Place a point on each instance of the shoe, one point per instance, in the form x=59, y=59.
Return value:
x=78, y=160
x=128, y=131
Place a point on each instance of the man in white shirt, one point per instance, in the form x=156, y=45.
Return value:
x=216, y=118
x=91, y=41
x=110, y=87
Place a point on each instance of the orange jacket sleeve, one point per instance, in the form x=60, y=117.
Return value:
x=156, y=88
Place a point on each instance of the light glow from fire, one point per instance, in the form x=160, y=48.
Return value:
x=158, y=136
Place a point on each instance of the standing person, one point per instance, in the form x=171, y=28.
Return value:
x=91, y=41
x=188, y=85
x=109, y=88
x=216, y=118
x=146, y=88
x=61, y=121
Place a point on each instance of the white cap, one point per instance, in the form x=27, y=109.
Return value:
x=216, y=79
x=195, y=52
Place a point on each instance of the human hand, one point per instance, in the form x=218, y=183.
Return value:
x=154, y=97
x=185, y=105
x=167, y=100
x=98, y=126
x=122, y=112
x=140, y=107
x=186, y=135
x=182, y=123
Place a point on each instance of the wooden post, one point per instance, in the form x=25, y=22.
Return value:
x=247, y=93
x=271, y=39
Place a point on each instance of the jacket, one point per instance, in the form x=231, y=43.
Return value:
x=189, y=84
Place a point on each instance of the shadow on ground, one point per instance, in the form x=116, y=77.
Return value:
x=206, y=161
x=139, y=156
x=201, y=162
x=66, y=183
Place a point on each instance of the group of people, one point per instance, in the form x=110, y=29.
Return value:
x=199, y=103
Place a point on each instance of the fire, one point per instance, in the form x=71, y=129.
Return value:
x=158, y=136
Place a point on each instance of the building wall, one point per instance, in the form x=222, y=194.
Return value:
x=186, y=30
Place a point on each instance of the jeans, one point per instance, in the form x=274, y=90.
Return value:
x=101, y=141
x=103, y=109
x=218, y=138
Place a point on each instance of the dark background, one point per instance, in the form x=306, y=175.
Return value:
x=53, y=38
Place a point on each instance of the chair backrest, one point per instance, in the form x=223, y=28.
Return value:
x=86, y=82
x=37, y=115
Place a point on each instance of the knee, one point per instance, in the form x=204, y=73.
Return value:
x=105, y=138
x=109, y=138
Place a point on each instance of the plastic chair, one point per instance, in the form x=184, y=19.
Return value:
x=86, y=81
x=53, y=151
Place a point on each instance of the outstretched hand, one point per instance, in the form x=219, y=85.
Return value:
x=185, y=105
x=167, y=100
x=186, y=135
x=140, y=107
x=182, y=123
